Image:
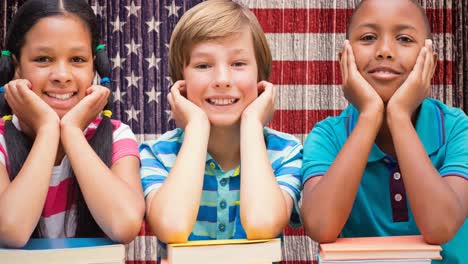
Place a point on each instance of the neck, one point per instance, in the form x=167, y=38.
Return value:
x=224, y=146
x=384, y=138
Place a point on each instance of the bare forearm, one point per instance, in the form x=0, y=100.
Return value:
x=337, y=188
x=173, y=221
x=262, y=204
x=22, y=202
x=427, y=191
x=120, y=220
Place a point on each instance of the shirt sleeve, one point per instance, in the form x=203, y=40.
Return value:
x=3, y=153
x=320, y=150
x=152, y=171
x=287, y=170
x=124, y=143
x=456, y=159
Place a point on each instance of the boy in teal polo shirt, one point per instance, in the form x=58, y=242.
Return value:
x=394, y=162
x=222, y=174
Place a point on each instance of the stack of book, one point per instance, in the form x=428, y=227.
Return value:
x=379, y=250
x=232, y=251
x=65, y=250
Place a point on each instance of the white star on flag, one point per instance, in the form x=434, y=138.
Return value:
x=153, y=95
x=132, y=114
x=132, y=80
x=117, y=61
x=153, y=25
x=117, y=25
x=132, y=47
x=118, y=95
x=153, y=61
x=169, y=115
x=97, y=9
x=173, y=8
x=132, y=9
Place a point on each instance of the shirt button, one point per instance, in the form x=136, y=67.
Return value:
x=223, y=204
x=212, y=165
x=396, y=176
x=398, y=197
x=223, y=182
x=222, y=227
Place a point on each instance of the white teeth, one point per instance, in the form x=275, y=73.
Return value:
x=60, y=96
x=221, y=101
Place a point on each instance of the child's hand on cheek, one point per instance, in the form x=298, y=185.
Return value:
x=184, y=112
x=82, y=114
x=30, y=109
x=418, y=85
x=262, y=108
x=355, y=88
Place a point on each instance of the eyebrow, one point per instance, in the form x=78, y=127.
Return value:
x=207, y=53
x=399, y=27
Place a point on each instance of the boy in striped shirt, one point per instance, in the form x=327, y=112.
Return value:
x=194, y=184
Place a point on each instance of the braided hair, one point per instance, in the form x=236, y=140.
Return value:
x=17, y=143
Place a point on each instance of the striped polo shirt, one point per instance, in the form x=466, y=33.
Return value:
x=219, y=215
x=53, y=215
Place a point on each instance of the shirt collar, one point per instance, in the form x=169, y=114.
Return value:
x=430, y=127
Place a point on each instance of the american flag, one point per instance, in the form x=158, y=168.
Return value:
x=304, y=36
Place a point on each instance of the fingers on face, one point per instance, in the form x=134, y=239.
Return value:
x=344, y=61
x=429, y=60
x=16, y=90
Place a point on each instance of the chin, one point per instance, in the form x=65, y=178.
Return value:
x=224, y=122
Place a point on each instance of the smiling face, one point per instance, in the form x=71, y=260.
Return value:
x=386, y=37
x=57, y=59
x=221, y=77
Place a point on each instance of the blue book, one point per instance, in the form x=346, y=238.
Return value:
x=66, y=250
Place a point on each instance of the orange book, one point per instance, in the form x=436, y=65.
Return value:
x=390, y=247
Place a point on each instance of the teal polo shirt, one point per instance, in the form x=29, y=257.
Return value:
x=381, y=207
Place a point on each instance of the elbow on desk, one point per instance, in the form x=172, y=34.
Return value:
x=13, y=237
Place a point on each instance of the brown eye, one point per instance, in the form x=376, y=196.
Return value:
x=78, y=60
x=368, y=38
x=42, y=59
x=405, y=39
x=202, y=66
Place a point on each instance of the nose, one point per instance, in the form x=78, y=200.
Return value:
x=222, y=78
x=385, y=49
x=61, y=72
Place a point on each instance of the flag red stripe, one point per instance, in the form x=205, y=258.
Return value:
x=299, y=121
x=328, y=72
x=331, y=20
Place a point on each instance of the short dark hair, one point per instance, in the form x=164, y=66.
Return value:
x=415, y=2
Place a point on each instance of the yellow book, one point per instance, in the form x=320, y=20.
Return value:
x=238, y=251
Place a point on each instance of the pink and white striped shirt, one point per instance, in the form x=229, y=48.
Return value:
x=55, y=208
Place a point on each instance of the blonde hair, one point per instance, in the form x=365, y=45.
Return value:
x=214, y=20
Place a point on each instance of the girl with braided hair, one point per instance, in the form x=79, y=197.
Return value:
x=66, y=168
